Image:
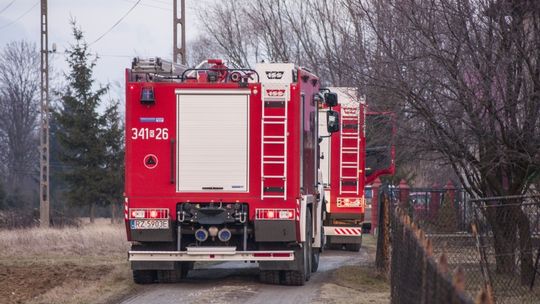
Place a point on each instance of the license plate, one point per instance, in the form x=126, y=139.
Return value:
x=149, y=224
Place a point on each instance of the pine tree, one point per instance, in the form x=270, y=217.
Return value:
x=113, y=134
x=83, y=149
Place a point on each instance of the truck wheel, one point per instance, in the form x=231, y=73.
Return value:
x=316, y=255
x=295, y=278
x=175, y=275
x=269, y=276
x=309, y=244
x=315, y=260
x=300, y=276
x=185, y=267
x=144, y=276
x=169, y=276
x=354, y=247
x=333, y=246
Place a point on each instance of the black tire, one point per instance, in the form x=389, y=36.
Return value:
x=316, y=255
x=144, y=276
x=169, y=276
x=300, y=276
x=354, y=247
x=333, y=246
x=269, y=277
x=185, y=267
x=175, y=275
x=294, y=278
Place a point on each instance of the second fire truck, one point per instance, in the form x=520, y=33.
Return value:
x=349, y=164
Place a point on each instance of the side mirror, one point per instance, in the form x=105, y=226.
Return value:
x=332, y=121
x=330, y=99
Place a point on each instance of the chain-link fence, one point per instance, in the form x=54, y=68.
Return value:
x=415, y=274
x=494, y=241
x=507, y=235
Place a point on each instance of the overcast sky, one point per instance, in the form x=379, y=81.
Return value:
x=145, y=32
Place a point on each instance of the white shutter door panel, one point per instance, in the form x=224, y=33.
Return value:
x=212, y=143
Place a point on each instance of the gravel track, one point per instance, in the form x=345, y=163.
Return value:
x=237, y=282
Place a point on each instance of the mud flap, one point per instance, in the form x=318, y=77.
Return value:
x=152, y=265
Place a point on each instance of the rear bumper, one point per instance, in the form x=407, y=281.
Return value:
x=210, y=254
x=343, y=231
x=346, y=216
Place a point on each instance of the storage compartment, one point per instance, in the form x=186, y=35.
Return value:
x=212, y=140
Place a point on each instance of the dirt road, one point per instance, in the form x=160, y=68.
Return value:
x=237, y=282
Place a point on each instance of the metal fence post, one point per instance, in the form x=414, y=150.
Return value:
x=382, y=259
x=375, y=205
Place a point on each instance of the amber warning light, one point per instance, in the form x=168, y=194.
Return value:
x=149, y=213
x=275, y=214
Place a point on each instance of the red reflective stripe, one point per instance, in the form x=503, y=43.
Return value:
x=262, y=254
x=212, y=256
x=349, y=231
x=281, y=255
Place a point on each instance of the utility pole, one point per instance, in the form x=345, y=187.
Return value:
x=44, y=123
x=179, y=20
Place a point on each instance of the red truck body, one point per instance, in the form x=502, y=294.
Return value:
x=222, y=164
x=347, y=174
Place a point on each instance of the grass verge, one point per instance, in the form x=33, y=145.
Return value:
x=357, y=284
x=70, y=265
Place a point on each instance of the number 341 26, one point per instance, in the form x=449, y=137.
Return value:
x=146, y=133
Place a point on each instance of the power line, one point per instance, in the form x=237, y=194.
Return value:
x=161, y=1
x=101, y=55
x=19, y=18
x=117, y=22
x=7, y=6
x=151, y=5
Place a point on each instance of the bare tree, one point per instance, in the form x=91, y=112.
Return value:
x=464, y=76
x=226, y=23
x=470, y=75
x=19, y=108
x=201, y=48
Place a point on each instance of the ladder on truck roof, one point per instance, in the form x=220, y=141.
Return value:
x=274, y=141
x=349, y=150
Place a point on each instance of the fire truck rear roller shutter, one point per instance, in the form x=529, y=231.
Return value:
x=213, y=143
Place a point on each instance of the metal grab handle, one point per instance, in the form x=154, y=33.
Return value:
x=172, y=161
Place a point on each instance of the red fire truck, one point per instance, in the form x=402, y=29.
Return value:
x=222, y=165
x=348, y=165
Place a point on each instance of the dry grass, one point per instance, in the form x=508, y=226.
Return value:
x=357, y=284
x=96, y=239
x=70, y=265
